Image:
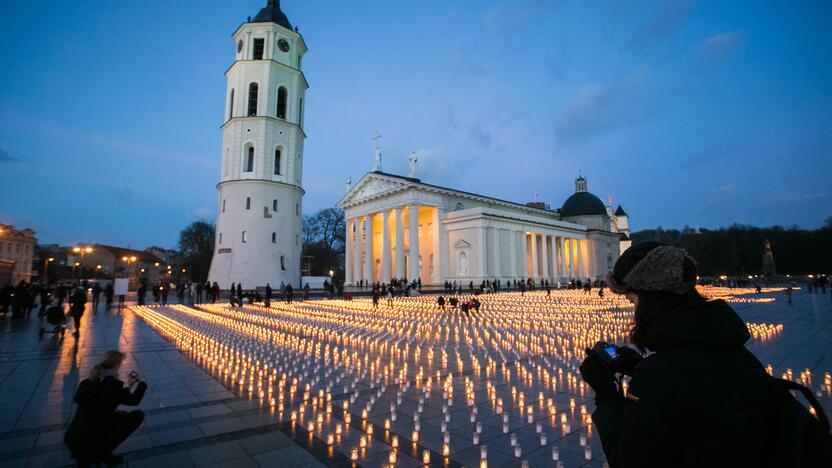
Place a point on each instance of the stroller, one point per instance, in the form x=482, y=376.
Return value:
x=55, y=317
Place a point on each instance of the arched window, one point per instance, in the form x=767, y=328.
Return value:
x=281, y=102
x=249, y=166
x=277, y=154
x=245, y=236
x=252, y=99
x=459, y=206
x=274, y=238
x=231, y=104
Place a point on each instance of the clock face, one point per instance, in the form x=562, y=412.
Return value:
x=283, y=44
x=239, y=46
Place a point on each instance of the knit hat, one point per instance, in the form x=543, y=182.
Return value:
x=653, y=266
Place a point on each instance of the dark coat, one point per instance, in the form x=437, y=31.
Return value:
x=76, y=302
x=97, y=401
x=702, y=399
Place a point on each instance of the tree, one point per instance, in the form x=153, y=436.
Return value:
x=324, y=235
x=196, y=244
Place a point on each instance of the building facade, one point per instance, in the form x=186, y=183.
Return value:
x=401, y=227
x=17, y=247
x=258, y=226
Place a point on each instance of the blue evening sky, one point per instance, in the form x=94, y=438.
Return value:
x=699, y=113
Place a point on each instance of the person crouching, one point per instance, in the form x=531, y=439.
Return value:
x=97, y=428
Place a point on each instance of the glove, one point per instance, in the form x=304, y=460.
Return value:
x=597, y=374
x=628, y=359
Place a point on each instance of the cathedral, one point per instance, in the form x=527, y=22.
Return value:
x=402, y=227
x=397, y=227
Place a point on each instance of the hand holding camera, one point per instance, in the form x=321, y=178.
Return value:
x=134, y=378
x=602, y=362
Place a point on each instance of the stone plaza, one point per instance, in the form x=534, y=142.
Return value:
x=340, y=384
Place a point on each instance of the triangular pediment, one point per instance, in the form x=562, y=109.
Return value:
x=461, y=244
x=371, y=186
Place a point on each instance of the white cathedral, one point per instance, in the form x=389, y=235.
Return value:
x=396, y=226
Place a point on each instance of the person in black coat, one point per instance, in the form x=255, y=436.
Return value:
x=77, y=303
x=97, y=428
x=701, y=398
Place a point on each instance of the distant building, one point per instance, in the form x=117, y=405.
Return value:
x=16, y=250
x=107, y=261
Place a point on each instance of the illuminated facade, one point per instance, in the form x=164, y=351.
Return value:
x=464, y=237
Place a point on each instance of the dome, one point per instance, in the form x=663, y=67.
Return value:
x=272, y=14
x=583, y=204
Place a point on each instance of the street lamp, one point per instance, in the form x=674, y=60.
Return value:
x=81, y=250
x=129, y=261
x=46, y=270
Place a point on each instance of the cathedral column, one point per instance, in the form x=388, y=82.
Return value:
x=400, y=273
x=567, y=258
x=559, y=256
x=512, y=258
x=482, y=251
x=545, y=252
x=524, y=254
x=369, y=271
x=413, y=214
x=580, y=260
x=356, y=251
x=535, y=271
x=385, y=246
x=349, y=255
x=495, y=253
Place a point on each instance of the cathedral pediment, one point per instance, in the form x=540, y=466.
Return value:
x=371, y=186
x=461, y=244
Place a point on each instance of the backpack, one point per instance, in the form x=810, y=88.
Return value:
x=803, y=440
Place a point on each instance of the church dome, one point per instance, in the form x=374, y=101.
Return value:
x=272, y=14
x=582, y=203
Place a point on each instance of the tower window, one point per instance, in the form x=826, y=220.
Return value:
x=252, y=99
x=281, y=102
x=283, y=263
x=248, y=203
x=300, y=112
x=245, y=236
x=249, y=167
x=274, y=238
x=274, y=205
x=223, y=205
x=220, y=238
x=259, y=45
x=277, y=161
x=297, y=209
x=231, y=104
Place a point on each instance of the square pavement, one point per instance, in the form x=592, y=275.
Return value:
x=192, y=419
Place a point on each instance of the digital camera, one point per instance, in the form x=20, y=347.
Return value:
x=609, y=354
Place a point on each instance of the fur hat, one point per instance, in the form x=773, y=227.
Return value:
x=653, y=266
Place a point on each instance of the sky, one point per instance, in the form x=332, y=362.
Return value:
x=700, y=113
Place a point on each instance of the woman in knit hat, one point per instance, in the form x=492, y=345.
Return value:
x=700, y=398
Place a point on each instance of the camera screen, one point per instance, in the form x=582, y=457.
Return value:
x=611, y=351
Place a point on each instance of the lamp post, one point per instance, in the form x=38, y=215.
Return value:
x=46, y=270
x=129, y=261
x=81, y=250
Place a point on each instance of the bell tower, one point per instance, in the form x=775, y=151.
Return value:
x=258, y=225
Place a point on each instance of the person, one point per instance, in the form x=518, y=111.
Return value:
x=440, y=301
x=96, y=295
x=268, y=303
x=97, y=428
x=701, y=398
x=141, y=293
x=164, y=290
x=109, y=292
x=290, y=291
x=306, y=291
x=375, y=298
x=77, y=303
x=390, y=297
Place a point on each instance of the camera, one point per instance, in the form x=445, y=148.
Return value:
x=133, y=375
x=609, y=354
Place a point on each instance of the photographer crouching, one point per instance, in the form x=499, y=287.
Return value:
x=701, y=398
x=97, y=428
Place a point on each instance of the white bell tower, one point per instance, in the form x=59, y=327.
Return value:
x=258, y=226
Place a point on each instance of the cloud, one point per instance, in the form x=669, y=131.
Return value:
x=724, y=189
x=797, y=197
x=122, y=194
x=204, y=213
x=721, y=46
x=709, y=154
x=599, y=109
x=5, y=157
x=663, y=24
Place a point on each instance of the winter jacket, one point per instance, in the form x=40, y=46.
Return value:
x=702, y=399
x=97, y=401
